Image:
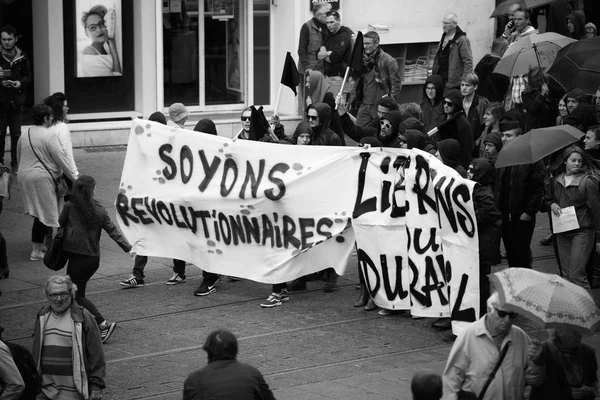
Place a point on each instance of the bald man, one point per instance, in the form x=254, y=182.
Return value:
x=454, y=57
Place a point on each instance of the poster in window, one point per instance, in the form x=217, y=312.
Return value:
x=233, y=55
x=98, y=38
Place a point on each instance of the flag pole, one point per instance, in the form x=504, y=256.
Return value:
x=278, y=98
x=342, y=88
x=237, y=135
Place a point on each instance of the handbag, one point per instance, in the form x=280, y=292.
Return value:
x=466, y=395
x=56, y=258
x=60, y=186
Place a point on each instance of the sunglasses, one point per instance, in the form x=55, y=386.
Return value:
x=313, y=117
x=448, y=103
x=502, y=314
x=385, y=124
x=245, y=118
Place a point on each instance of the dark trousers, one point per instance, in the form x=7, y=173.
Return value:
x=517, y=235
x=3, y=256
x=278, y=287
x=209, y=277
x=39, y=231
x=140, y=263
x=485, y=269
x=10, y=117
x=81, y=268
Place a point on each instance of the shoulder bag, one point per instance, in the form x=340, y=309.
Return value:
x=466, y=395
x=60, y=185
x=56, y=258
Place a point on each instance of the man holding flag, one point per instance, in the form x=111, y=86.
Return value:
x=336, y=52
x=380, y=77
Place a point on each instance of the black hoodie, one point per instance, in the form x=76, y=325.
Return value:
x=303, y=127
x=323, y=135
x=577, y=18
x=449, y=150
x=433, y=115
x=457, y=127
x=491, y=86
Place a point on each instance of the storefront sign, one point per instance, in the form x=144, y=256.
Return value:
x=335, y=4
x=271, y=213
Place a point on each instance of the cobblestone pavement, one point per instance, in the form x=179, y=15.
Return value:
x=316, y=346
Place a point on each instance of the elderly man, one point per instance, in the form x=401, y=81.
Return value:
x=336, y=52
x=224, y=377
x=454, y=58
x=66, y=346
x=380, y=78
x=478, y=349
x=312, y=34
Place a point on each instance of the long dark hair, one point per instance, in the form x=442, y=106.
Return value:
x=82, y=196
x=589, y=167
x=56, y=104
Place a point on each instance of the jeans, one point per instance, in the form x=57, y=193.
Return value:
x=574, y=250
x=38, y=231
x=10, y=117
x=140, y=263
x=80, y=269
x=278, y=287
x=517, y=235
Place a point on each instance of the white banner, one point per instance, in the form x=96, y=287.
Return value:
x=271, y=213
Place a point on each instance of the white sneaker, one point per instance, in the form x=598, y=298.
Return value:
x=175, y=279
x=36, y=256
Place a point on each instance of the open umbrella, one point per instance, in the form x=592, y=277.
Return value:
x=546, y=299
x=577, y=65
x=535, y=50
x=502, y=8
x=537, y=144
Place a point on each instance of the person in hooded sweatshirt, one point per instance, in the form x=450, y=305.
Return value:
x=303, y=135
x=582, y=117
x=489, y=222
x=576, y=25
x=319, y=119
x=574, y=98
x=336, y=124
x=415, y=139
x=456, y=126
x=206, y=126
x=492, y=86
x=316, y=87
x=431, y=105
x=449, y=152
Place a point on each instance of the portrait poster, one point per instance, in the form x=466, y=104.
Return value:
x=99, y=41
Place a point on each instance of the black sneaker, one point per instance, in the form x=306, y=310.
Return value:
x=284, y=295
x=205, y=289
x=132, y=282
x=107, y=330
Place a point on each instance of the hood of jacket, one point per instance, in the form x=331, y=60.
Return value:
x=303, y=127
x=483, y=171
x=318, y=85
x=439, y=88
x=577, y=18
x=324, y=112
x=459, y=33
x=584, y=116
x=576, y=94
x=206, y=126
x=415, y=139
x=395, y=118
x=449, y=152
x=456, y=98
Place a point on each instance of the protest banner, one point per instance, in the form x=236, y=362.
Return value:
x=271, y=213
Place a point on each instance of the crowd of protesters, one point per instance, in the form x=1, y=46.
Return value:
x=466, y=117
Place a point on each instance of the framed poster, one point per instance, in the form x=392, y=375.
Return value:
x=233, y=56
x=99, y=40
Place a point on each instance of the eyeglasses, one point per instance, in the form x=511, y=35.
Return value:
x=448, y=103
x=313, y=117
x=245, y=118
x=61, y=295
x=385, y=124
x=502, y=314
x=101, y=24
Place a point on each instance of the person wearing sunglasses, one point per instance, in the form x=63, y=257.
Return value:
x=100, y=57
x=457, y=126
x=66, y=345
x=477, y=350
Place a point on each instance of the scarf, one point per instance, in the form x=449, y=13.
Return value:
x=370, y=60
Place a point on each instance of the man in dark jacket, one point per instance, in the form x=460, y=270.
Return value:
x=224, y=377
x=492, y=86
x=519, y=191
x=336, y=52
x=312, y=34
x=457, y=126
x=432, y=111
x=319, y=118
x=474, y=105
x=454, y=57
x=380, y=78
x=15, y=75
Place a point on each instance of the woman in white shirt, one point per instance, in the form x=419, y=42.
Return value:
x=60, y=108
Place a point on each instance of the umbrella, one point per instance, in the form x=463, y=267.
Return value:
x=537, y=49
x=577, y=65
x=546, y=299
x=502, y=8
x=537, y=144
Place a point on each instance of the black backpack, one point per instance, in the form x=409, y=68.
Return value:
x=26, y=366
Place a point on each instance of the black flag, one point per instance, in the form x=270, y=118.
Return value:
x=289, y=77
x=356, y=59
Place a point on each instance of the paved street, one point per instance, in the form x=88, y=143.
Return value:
x=316, y=346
